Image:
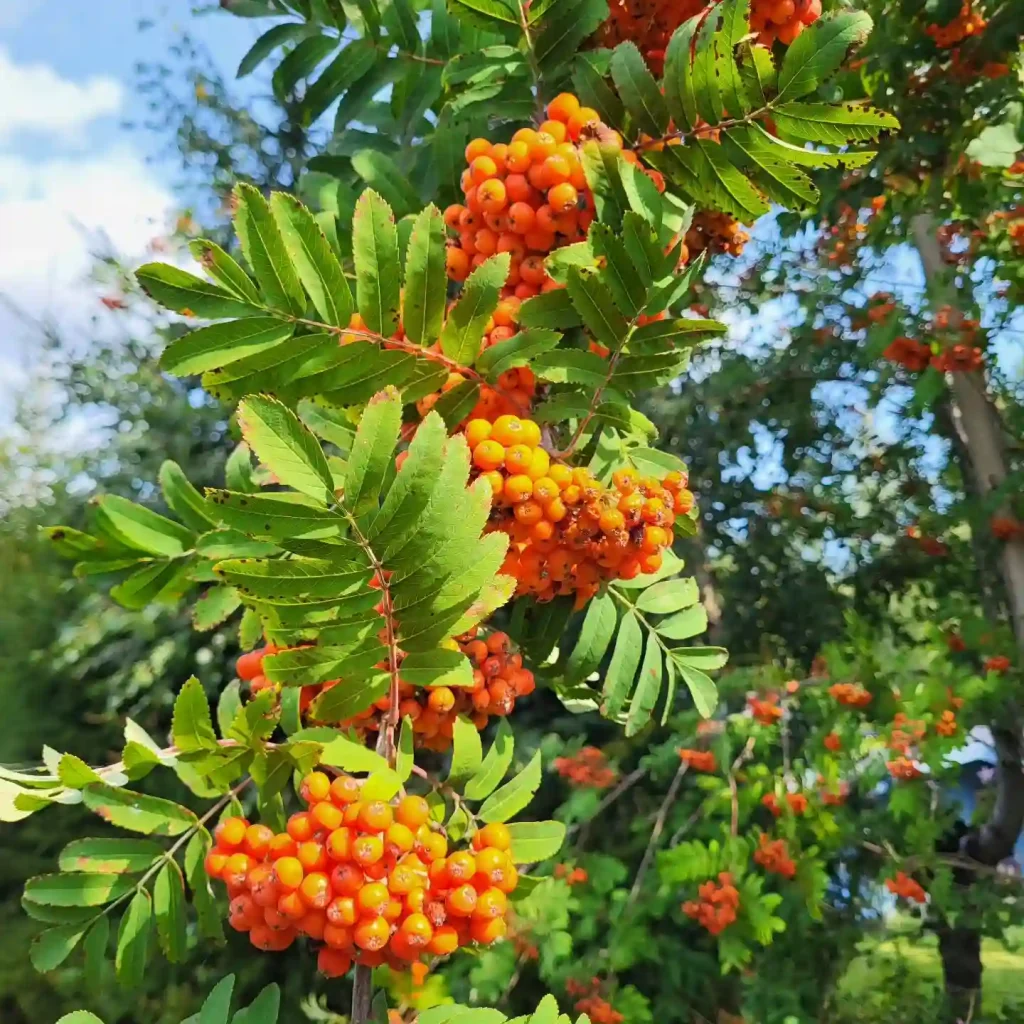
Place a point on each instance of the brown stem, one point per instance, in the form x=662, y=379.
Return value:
x=362, y=994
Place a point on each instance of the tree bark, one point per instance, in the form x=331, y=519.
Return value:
x=980, y=435
x=362, y=994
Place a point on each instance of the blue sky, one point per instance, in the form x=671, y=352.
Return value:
x=71, y=175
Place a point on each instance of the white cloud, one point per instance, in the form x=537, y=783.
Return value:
x=37, y=100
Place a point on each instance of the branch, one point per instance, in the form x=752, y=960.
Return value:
x=743, y=756
x=627, y=783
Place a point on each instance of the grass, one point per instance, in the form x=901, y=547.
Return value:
x=916, y=952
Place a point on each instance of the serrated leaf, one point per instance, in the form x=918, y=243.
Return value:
x=425, y=278
x=595, y=636
x=464, y=330
x=382, y=174
x=218, y=264
x=300, y=581
x=94, y=949
x=820, y=50
x=52, y=947
x=169, y=911
x=648, y=686
x=684, y=624
x=552, y=309
x=109, y=856
x=192, y=726
x=264, y=1009
x=217, y=1005
x=265, y=250
x=622, y=668
x=668, y=596
x=378, y=272
x=458, y=402
x=372, y=451
x=534, y=841
x=317, y=266
x=381, y=785
x=140, y=528
x=439, y=667
x=301, y=62
x=495, y=764
x=593, y=91
x=183, y=499
x=350, y=65
x=620, y=272
x=766, y=163
x=268, y=43
x=80, y=889
x=834, y=124
x=510, y=799
x=79, y=1017
x=74, y=773
x=678, y=83
x=207, y=912
x=341, y=702
x=215, y=606
x=149, y=815
x=286, y=446
x=467, y=752
x=593, y=301
x=272, y=515
x=702, y=688
x=183, y=292
x=210, y=348
x=516, y=351
x=351, y=756
x=638, y=89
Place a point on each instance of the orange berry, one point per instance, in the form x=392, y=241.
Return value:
x=412, y=811
x=215, y=862
x=452, y=214
x=457, y=263
x=312, y=855
x=333, y=963
x=460, y=867
x=478, y=147
x=521, y=218
x=611, y=519
x=487, y=930
x=375, y=816
x=580, y=119
x=326, y=816
x=540, y=463
x=417, y=930
x=556, y=129
x=444, y=942
x=491, y=903
x=347, y=879
x=434, y=846
x=338, y=937
x=372, y=934
x=488, y=454
x=289, y=872
x=315, y=891
x=542, y=146
x=486, y=242
x=339, y=844
x=492, y=196
x=282, y=845
x=495, y=835
x=373, y=898
x=367, y=850
x=650, y=562
x=529, y=512
x=563, y=107
x=399, y=838
x=230, y=833
x=563, y=197
x=342, y=910
x=507, y=430
x=626, y=480
x=518, y=459
x=345, y=790
x=517, y=156
x=441, y=699
x=477, y=431
x=315, y=786
x=556, y=172
x=236, y=869
x=518, y=488
x=545, y=490
x=461, y=902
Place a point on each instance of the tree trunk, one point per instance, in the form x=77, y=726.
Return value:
x=980, y=433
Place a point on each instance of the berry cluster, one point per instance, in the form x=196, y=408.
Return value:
x=766, y=711
x=833, y=742
x=648, y=23
x=783, y=20
x=1006, y=528
x=498, y=679
x=903, y=768
x=997, y=663
x=931, y=546
x=906, y=732
x=590, y=1001
x=852, y=695
x=958, y=359
x=698, y=760
x=368, y=879
x=716, y=906
x=903, y=885
x=946, y=726
x=910, y=354
x=773, y=856
x=966, y=24
x=717, y=232
x=588, y=768
x=528, y=196
x=796, y=802
x=834, y=797
x=569, y=533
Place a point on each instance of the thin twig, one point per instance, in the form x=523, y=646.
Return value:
x=659, y=827
x=627, y=783
x=743, y=756
x=362, y=994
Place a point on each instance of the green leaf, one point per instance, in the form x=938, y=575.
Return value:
x=622, y=668
x=301, y=62
x=757, y=70
x=620, y=272
x=272, y=515
x=351, y=65
x=381, y=173
x=109, y=856
x=592, y=298
x=169, y=910
x=405, y=756
x=215, y=606
x=516, y=351
x=183, y=499
x=467, y=752
x=820, y=50
x=372, y=451
x=464, y=330
x=80, y=889
x=265, y=250
x=378, y=272
x=74, y=773
x=639, y=90
x=185, y=293
x=534, y=841
x=264, y=1009
x=680, y=91
x=317, y=266
x=140, y=528
x=352, y=756
x=149, y=815
x=485, y=13
x=552, y=309
x=192, y=726
x=268, y=43
x=567, y=26
x=834, y=124
x=79, y=1017
x=594, y=91
x=706, y=659
x=425, y=278
x=510, y=799
x=52, y=947
x=210, y=348
x=439, y=667
x=702, y=687
x=494, y=766
x=998, y=145
x=381, y=785
x=217, y=1007
x=704, y=172
x=668, y=596
x=341, y=702
x=595, y=636
x=648, y=685
x=685, y=624
x=286, y=446
x=207, y=912
x=217, y=263
x=754, y=150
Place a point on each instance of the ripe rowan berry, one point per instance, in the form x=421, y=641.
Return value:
x=372, y=934
x=367, y=850
x=333, y=963
x=230, y=833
